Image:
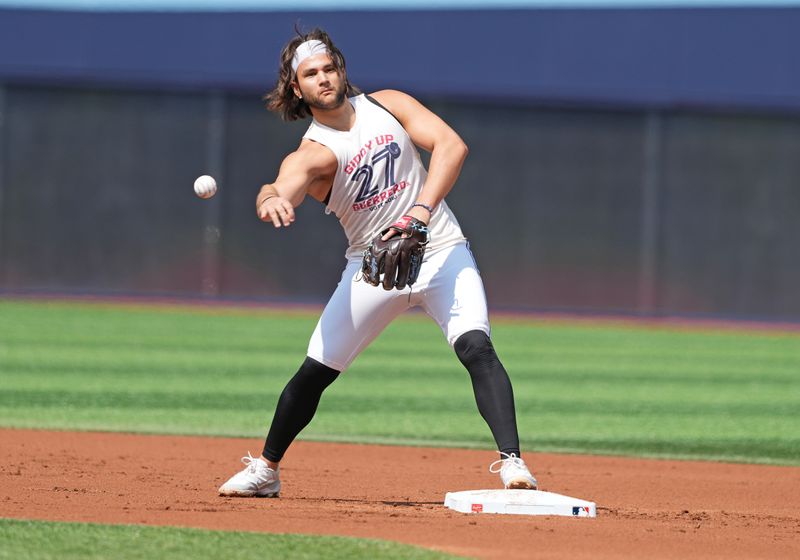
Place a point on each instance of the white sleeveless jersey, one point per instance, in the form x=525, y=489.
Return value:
x=379, y=176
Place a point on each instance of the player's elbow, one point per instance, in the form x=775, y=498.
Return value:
x=461, y=149
x=452, y=147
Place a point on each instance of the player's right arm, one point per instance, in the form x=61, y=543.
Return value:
x=309, y=170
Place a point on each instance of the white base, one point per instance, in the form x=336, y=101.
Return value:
x=521, y=502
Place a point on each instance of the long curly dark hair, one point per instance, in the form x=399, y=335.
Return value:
x=282, y=99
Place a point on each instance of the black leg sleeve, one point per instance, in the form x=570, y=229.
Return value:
x=296, y=406
x=492, y=388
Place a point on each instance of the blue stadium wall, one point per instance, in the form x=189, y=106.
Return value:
x=735, y=57
x=627, y=160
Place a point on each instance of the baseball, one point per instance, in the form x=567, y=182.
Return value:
x=205, y=186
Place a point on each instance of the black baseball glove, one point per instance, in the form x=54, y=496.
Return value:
x=398, y=258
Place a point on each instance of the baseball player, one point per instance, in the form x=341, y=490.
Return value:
x=359, y=159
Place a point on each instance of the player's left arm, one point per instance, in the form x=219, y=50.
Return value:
x=431, y=133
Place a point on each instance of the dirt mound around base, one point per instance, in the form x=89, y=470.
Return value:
x=646, y=508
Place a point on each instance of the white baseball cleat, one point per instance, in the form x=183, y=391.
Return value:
x=257, y=479
x=514, y=473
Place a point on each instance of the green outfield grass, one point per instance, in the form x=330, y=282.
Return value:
x=88, y=541
x=580, y=387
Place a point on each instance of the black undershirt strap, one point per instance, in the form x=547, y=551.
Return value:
x=378, y=103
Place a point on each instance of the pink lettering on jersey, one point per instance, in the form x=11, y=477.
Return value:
x=380, y=197
x=378, y=140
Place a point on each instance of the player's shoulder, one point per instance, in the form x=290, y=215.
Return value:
x=391, y=97
x=313, y=154
x=314, y=150
x=404, y=107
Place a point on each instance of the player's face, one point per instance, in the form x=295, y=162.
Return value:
x=320, y=83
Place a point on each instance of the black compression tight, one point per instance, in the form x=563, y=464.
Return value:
x=296, y=406
x=492, y=388
x=299, y=400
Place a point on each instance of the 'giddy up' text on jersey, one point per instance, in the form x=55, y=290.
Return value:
x=379, y=176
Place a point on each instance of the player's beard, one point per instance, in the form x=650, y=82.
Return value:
x=316, y=102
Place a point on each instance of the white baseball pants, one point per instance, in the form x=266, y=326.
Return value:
x=449, y=289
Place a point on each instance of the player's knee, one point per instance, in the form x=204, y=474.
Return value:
x=474, y=347
x=314, y=374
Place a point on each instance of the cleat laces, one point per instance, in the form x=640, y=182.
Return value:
x=250, y=462
x=509, y=460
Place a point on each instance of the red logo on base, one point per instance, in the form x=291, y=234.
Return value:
x=477, y=508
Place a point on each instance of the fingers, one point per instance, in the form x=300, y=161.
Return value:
x=277, y=210
x=390, y=270
x=392, y=232
x=403, y=268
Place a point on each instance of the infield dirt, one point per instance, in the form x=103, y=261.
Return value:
x=646, y=508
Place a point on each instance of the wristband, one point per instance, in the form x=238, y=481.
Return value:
x=425, y=206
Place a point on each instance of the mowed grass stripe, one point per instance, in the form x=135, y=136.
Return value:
x=382, y=405
x=40, y=540
x=579, y=387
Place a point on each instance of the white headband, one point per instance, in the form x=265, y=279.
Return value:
x=307, y=49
